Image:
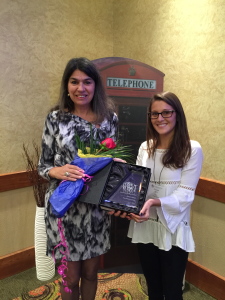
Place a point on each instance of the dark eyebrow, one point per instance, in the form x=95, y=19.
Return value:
x=166, y=109
x=74, y=78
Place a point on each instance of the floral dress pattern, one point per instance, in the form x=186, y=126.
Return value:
x=86, y=226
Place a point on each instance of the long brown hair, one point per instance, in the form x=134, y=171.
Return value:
x=179, y=150
x=101, y=105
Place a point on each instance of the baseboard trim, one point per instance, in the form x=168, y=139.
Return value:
x=206, y=280
x=17, y=262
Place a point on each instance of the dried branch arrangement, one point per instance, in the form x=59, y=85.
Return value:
x=38, y=183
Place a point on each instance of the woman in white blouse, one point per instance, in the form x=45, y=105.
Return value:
x=162, y=230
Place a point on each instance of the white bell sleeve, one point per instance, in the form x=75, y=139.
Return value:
x=175, y=207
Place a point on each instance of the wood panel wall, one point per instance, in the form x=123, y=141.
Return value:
x=208, y=188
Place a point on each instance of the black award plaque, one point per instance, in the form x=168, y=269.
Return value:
x=126, y=188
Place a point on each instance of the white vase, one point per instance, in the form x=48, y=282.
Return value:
x=45, y=266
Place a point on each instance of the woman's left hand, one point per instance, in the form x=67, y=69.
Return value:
x=139, y=218
x=145, y=211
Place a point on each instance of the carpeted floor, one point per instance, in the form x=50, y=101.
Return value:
x=130, y=286
x=110, y=286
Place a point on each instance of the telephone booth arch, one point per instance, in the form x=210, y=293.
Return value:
x=130, y=84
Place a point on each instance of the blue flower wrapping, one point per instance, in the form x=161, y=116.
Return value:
x=67, y=192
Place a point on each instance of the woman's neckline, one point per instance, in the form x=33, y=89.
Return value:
x=76, y=116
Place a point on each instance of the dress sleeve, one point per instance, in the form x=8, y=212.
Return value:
x=114, y=127
x=174, y=207
x=46, y=161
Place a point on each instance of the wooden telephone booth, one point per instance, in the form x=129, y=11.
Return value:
x=131, y=84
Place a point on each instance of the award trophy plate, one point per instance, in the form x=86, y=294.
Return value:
x=118, y=186
x=126, y=188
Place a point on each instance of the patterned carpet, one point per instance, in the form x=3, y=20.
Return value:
x=111, y=286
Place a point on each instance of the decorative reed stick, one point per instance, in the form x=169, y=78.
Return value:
x=38, y=183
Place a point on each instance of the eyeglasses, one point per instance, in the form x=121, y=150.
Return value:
x=164, y=114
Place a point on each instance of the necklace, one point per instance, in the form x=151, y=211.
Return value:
x=154, y=171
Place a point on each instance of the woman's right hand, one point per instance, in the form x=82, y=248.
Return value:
x=120, y=214
x=67, y=172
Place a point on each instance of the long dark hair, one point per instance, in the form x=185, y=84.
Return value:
x=179, y=150
x=101, y=105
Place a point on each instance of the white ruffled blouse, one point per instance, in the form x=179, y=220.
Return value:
x=169, y=225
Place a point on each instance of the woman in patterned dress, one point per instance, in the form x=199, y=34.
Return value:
x=162, y=229
x=83, y=106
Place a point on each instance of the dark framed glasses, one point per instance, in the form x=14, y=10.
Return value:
x=164, y=114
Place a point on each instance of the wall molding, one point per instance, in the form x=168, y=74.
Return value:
x=211, y=189
x=204, y=279
x=13, y=181
x=208, y=188
x=17, y=262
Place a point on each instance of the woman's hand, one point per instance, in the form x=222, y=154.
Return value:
x=67, y=172
x=119, y=160
x=139, y=218
x=120, y=214
x=130, y=216
x=145, y=211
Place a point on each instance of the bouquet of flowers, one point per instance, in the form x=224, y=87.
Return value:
x=91, y=159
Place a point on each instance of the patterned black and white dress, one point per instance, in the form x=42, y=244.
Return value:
x=86, y=226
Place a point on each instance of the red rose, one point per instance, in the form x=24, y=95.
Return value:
x=109, y=143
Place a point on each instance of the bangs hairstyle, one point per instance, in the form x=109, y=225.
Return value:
x=179, y=151
x=101, y=105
